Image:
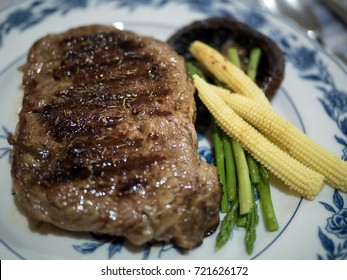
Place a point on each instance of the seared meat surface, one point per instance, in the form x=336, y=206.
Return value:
x=106, y=142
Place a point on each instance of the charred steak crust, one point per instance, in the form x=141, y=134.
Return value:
x=106, y=142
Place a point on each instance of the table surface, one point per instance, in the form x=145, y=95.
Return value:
x=334, y=31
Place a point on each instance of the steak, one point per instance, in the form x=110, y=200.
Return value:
x=106, y=141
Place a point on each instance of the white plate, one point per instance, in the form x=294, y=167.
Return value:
x=313, y=97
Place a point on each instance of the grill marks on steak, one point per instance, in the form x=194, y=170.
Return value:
x=106, y=142
x=83, y=60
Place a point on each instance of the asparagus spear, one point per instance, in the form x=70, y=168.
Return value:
x=233, y=56
x=264, y=173
x=243, y=179
x=270, y=219
x=253, y=169
x=251, y=234
x=220, y=163
x=254, y=59
x=192, y=70
x=230, y=169
x=227, y=225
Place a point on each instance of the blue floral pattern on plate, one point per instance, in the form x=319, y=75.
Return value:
x=305, y=60
x=25, y=18
x=5, y=149
x=336, y=227
x=115, y=245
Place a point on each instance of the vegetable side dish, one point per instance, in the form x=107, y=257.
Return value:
x=236, y=71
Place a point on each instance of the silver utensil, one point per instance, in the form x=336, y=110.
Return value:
x=299, y=12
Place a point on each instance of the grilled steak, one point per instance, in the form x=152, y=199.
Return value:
x=106, y=142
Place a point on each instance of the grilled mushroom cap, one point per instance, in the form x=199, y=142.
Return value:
x=224, y=32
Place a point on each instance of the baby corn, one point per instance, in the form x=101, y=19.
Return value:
x=290, y=139
x=293, y=173
x=227, y=72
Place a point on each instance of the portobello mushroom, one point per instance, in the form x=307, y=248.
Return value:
x=225, y=32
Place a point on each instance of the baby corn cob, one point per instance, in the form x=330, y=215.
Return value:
x=290, y=139
x=293, y=173
x=227, y=72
